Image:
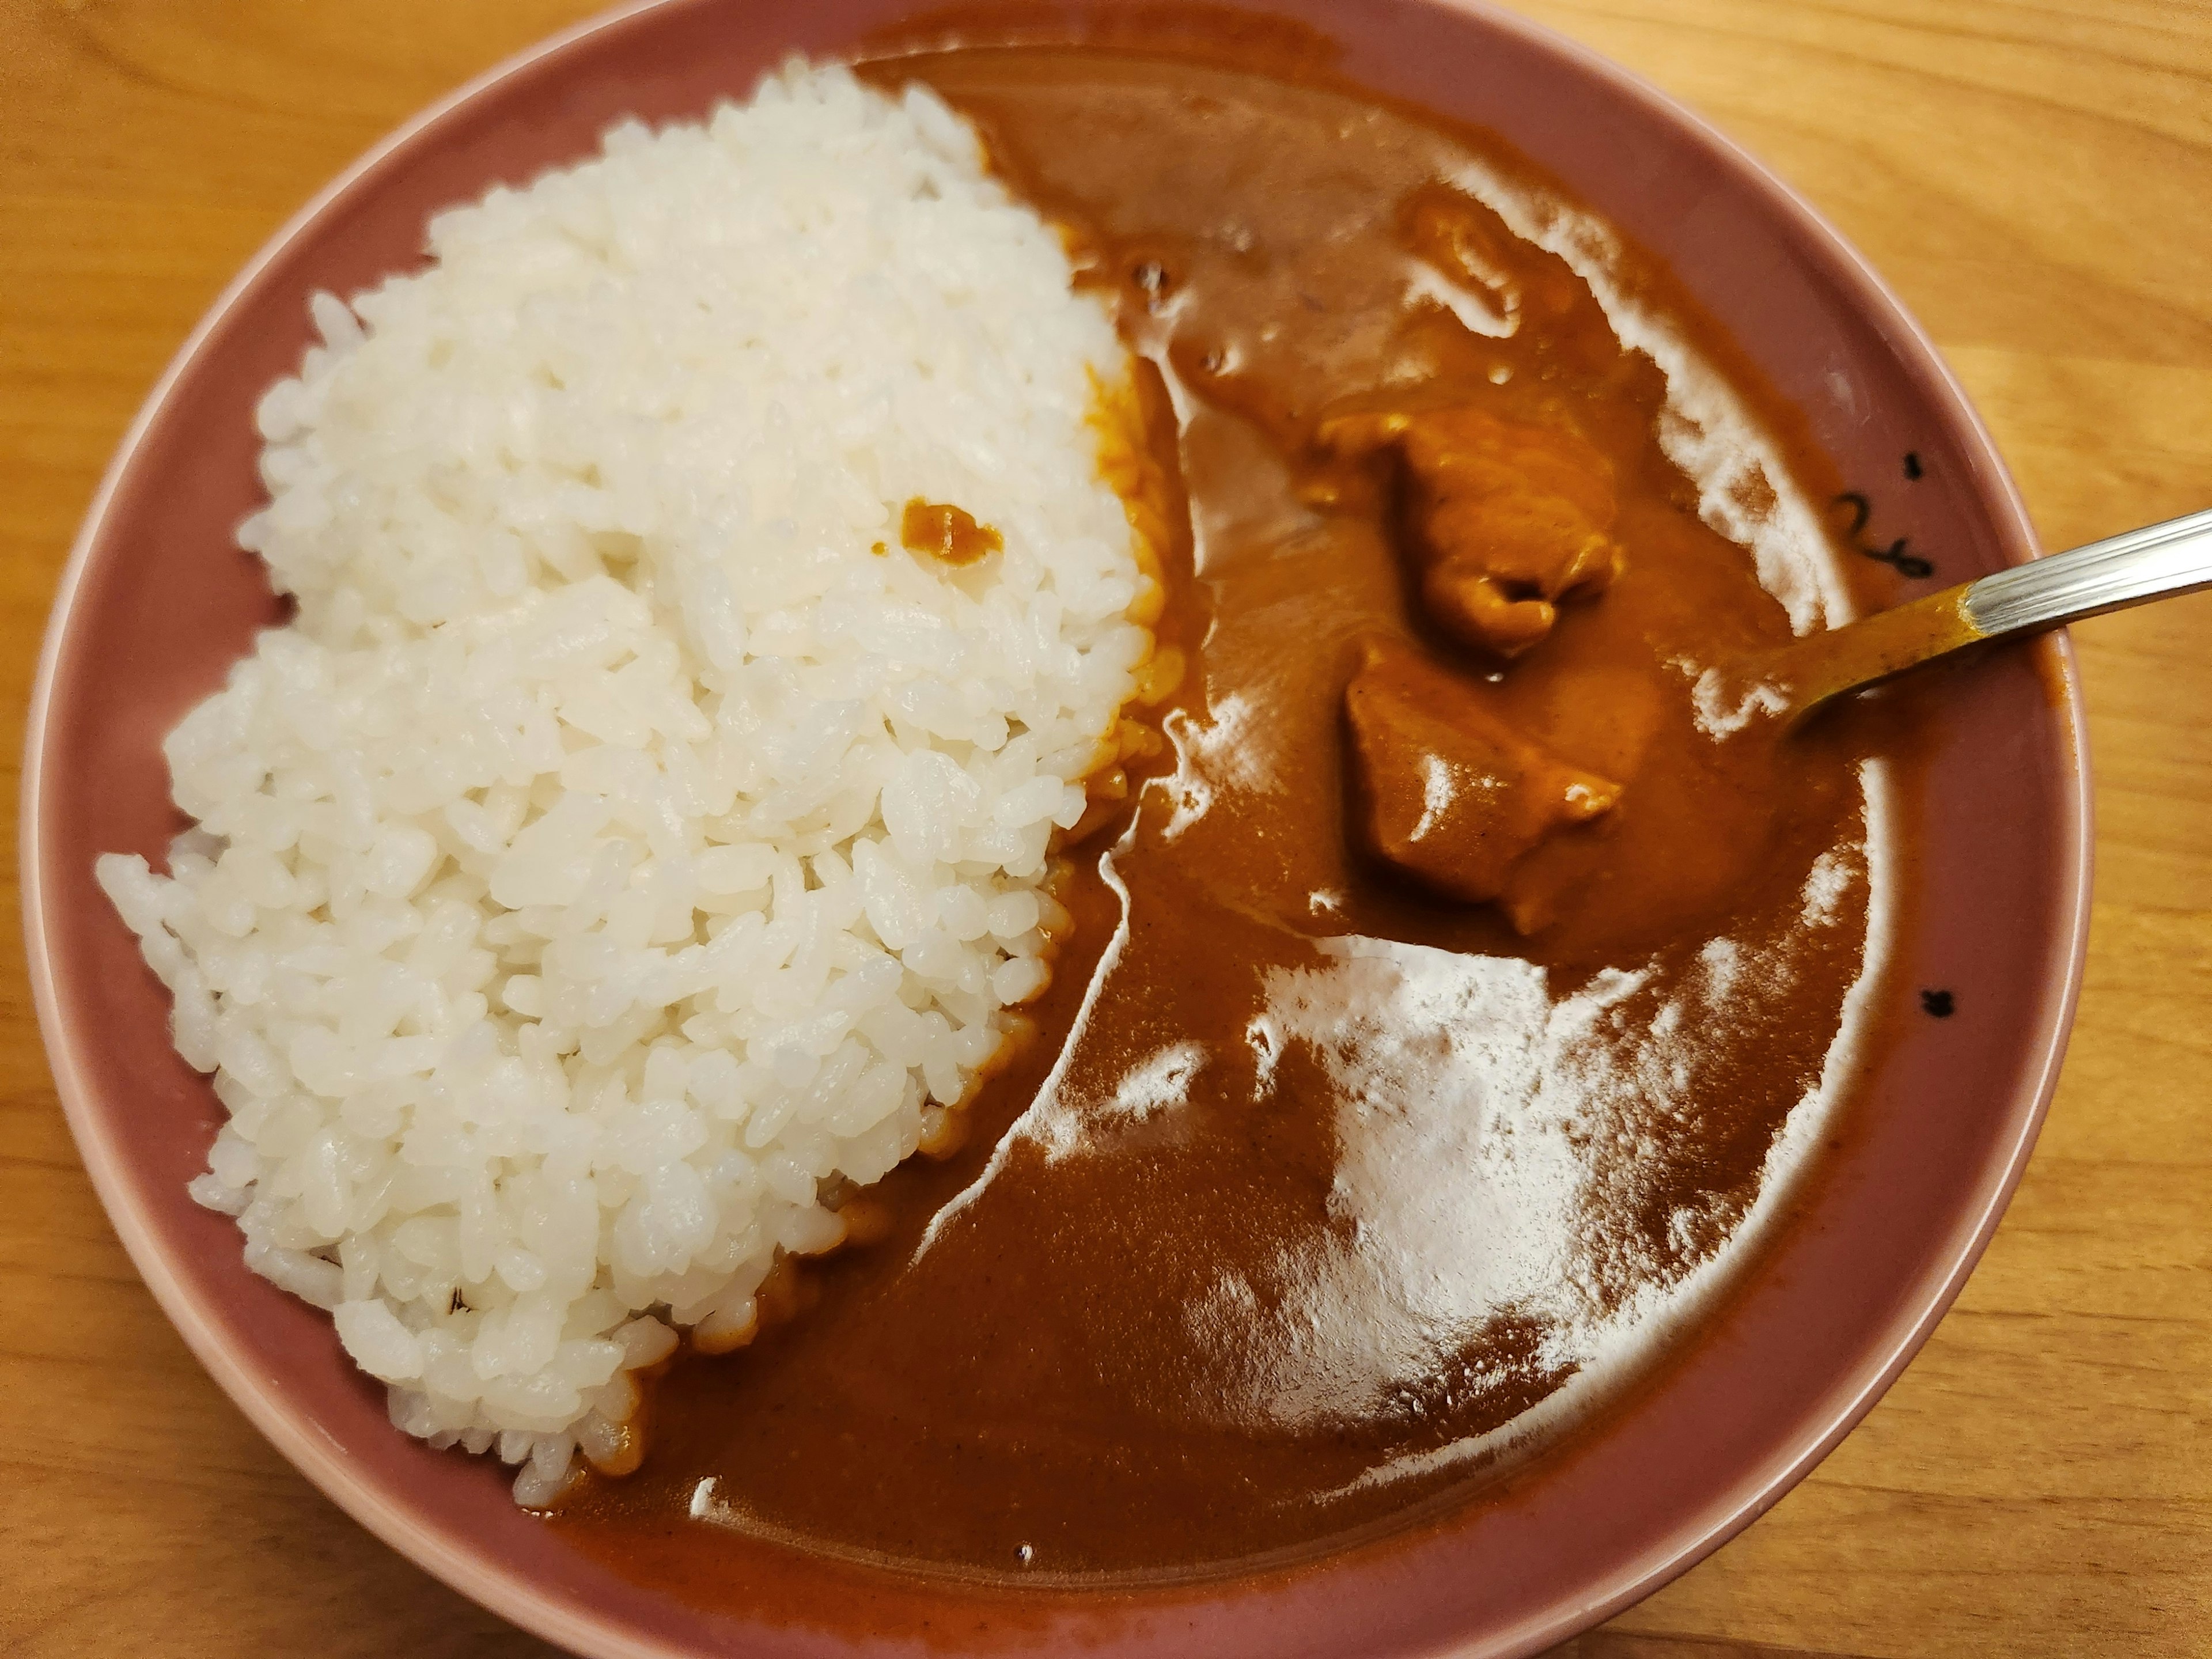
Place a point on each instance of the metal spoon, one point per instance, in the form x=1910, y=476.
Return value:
x=1791, y=681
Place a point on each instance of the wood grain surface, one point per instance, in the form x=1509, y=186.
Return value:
x=2033, y=175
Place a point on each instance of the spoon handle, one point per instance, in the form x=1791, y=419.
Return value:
x=2154, y=562
x=2150, y=564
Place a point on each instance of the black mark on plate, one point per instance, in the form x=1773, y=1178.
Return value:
x=1913, y=470
x=1898, y=555
x=1938, y=1003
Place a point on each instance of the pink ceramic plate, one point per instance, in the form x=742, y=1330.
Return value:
x=157, y=602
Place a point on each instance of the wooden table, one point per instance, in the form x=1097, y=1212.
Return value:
x=2034, y=175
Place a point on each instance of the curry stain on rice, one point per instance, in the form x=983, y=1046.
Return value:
x=946, y=532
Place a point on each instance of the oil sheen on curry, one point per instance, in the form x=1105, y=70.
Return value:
x=1440, y=996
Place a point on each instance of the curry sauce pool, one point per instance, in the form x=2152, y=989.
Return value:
x=1315, y=1187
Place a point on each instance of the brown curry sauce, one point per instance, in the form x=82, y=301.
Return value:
x=946, y=532
x=1137, y=1332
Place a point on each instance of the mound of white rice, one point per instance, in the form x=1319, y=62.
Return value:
x=616, y=846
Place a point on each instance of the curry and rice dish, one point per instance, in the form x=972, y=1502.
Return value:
x=984, y=838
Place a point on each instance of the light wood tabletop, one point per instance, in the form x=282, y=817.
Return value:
x=2033, y=175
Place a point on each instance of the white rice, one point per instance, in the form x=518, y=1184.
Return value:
x=614, y=846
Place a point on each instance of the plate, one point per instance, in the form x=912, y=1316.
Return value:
x=157, y=602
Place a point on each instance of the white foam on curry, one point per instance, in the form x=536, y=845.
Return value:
x=1458, y=1187
x=1223, y=745
x=1745, y=491
x=1158, y=1081
x=1480, y=311
x=1607, y=1349
x=1716, y=717
x=1051, y=1119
